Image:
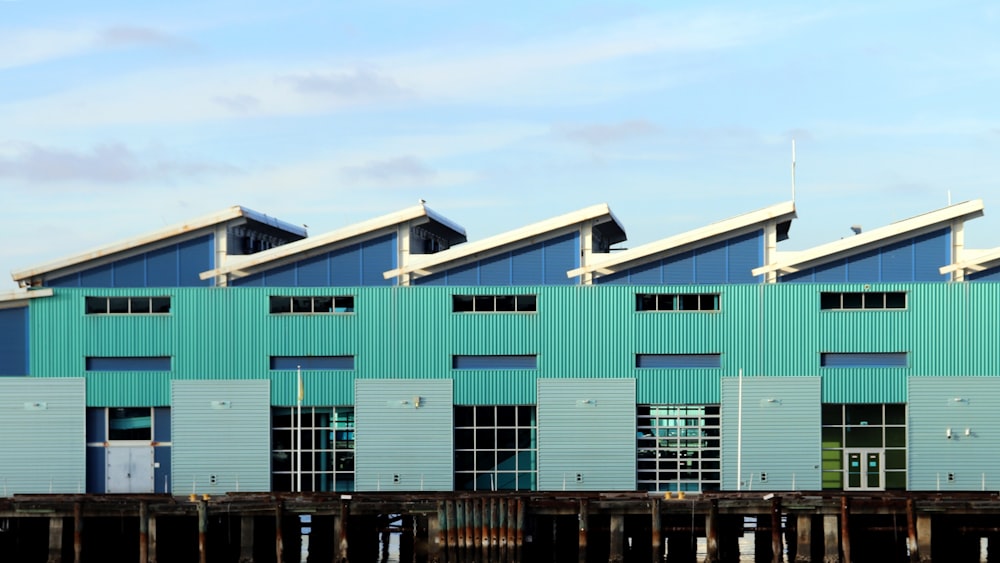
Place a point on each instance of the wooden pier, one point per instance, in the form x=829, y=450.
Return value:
x=464, y=527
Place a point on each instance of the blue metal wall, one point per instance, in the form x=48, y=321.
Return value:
x=177, y=265
x=991, y=274
x=728, y=261
x=910, y=260
x=14, y=341
x=543, y=263
x=359, y=264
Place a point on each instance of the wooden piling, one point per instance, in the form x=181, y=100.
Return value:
x=911, y=532
x=519, y=540
x=459, y=532
x=924, y=537
x=279, y=542
x=582, y=547
x=202, y=531
x=777, y=546
x=345, y=520
x=617, y=536
x=435, y=535
x=77, y=532
x=502, y=510
x=55, y=539
x=831, y=539
x=143, y=532
x=152, y=538
x=845, y=529
x=246, y=538
x=494, y=531
x=656, y=532
x=712, y=533
x=803, y=539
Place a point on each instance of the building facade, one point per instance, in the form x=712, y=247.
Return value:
x=236, y=353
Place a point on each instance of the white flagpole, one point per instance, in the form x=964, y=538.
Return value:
x=298, y=461
x=294, y=450
x=739, y=434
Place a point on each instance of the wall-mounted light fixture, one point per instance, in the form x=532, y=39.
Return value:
x=968, y=432
x=947, y=433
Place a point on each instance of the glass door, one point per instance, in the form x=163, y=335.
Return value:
x=864, y=470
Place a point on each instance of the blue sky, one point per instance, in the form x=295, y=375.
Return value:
x=117, y=118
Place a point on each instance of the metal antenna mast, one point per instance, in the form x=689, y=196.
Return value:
x=793, y=170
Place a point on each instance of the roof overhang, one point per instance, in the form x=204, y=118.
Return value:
x=599, y=215
x=233, y=215
x=241, y=266
x=19, y=297
x=791, y=262
x=781, y=214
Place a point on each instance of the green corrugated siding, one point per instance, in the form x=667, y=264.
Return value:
x=586, y=434
x=42, y=449
x=781, y=433
x=932, y=410
x=417, y=438
x=578, y=332
x=222, y=430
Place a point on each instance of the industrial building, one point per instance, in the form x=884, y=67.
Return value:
x=236, y=353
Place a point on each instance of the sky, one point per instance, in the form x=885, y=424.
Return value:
x=119, y=118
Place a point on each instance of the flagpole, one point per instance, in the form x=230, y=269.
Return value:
x=294, y=435
x=298, y=460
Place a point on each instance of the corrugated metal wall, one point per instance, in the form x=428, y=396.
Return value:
x=781, y=433
x=963, y=461
x=581, y=331
x=404, y=439
x=221, y=436
x=912, y=260
x=586, y=434
x=42, y=449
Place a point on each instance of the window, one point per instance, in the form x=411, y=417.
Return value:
x=496, y=448
x=863, y=360
x=877, y=428
x=130, y=424
x=677, y=301
x=312, y=362
x=323, y=304
x=130, y=363
x=871, y=300
x=494, y=303
x=327, y=447
x=678, y=360
x=127, y=305
x=678, y=448
x=495, y=362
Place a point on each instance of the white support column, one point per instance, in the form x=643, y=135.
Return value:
x=770, y=250
x=221, y=252
x=403, y=251
x=958, y=248
x=586, y=251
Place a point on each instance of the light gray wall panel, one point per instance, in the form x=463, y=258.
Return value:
x=959, y=403
x=586, y=434
x=43, y=442
x=404, y=438
x=220, y=428
x=782, y=422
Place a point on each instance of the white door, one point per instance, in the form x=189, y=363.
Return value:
x=864, y=470
x=129, y=469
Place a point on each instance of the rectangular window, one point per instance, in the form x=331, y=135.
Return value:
x=127, y=305
x=319, y=304
x=863, y=360
x=678, y=360
x=495, y=362
x=496, y=448
x=326, y=453
x=678, y=448
x=312, y=362
x=677, y=301
x=494, y=303
x=870, y=300
x=131, y=363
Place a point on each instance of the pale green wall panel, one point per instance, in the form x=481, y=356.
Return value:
x=586, y=434
x=937, y=404
x=404, y=438
x=221, y=437
x=781, y=423
x=42, y=445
